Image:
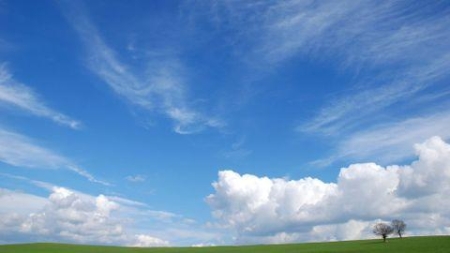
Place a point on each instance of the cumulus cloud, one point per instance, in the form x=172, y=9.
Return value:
x=75, y=217
x=265, y=210
x=199, y=245
x=69, y=216
x=149, y=241
x=430, y=174
x=23, y=97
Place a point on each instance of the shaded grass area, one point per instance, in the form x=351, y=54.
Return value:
x=434, y=244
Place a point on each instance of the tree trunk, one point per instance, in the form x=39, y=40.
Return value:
x=384, y=238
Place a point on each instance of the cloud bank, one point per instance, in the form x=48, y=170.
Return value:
x=69, y=216
x=265, y=210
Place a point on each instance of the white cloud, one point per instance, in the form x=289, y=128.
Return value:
x=161, y=88
x=126, y=202
x=85, y=174
x=431, y=173
x=149, y=241
x=132, y=223
x=264, y=210
x=350, y=230
x=28, y=203
x=199, y=245
x=20, y=151
x=20, y=96
x=66, y=214
x=69, y=216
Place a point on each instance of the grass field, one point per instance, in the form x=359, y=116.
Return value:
x=432, y=244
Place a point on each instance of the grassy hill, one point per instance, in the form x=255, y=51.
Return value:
x=433, y=244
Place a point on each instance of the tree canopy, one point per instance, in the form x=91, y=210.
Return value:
x=383, y=230
x=399, y=227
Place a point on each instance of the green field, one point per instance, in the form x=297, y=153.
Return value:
x=432, y=244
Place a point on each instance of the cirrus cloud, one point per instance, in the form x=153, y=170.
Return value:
x=23, y=97
x=161, y=88
x=20, y=151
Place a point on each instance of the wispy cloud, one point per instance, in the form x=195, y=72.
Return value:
x=396, y=48
x=346, y=112
x=402, y=64
x=20, y=151
x=40, y=184
x=392, y=52
x=49, y=187
x=395, y=51
x=389, y=142
x=161, y=88
x=136, y=178
x=393, y=141
x=237, y=150
x=21, y=96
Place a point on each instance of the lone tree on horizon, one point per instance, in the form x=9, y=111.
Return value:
x=399, y=227
x=383, y=230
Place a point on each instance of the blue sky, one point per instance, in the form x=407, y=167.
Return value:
x=222, y=122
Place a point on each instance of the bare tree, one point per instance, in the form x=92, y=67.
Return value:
x=399, y=227
x=383, y=230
